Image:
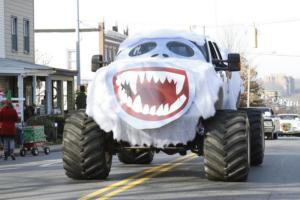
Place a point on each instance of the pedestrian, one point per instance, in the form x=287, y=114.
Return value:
x=8, y=119
x=1, y=147
x=81, y=98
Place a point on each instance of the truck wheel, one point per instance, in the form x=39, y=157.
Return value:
x=84, y=153
x=257, y=136
x=136, y=156
x=227, y=146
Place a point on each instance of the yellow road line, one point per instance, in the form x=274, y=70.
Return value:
x=123, y=182
x=142, y=180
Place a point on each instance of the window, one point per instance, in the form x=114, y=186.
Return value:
x=14, y=34
x=106, y=55
x=203, y=49
x=180, y=48
x=142, y=49
x=26, y=36
x=218, y=51
x=214, y=54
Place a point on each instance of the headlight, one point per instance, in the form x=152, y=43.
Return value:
x=268, y=123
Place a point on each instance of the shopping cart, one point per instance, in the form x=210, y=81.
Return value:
x=34, y=138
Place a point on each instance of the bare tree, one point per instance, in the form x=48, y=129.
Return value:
x=256, y=89
x=234, y=41
x=42, y=58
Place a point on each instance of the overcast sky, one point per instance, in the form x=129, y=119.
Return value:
x=277, y=22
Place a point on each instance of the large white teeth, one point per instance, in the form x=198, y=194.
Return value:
x=131, y=77
x=149, y=76
x=137, y=104
x=146, y=109
x=155, y=78
x=179, y=84
x=129, y=102
x=122, y=95
x=166, y=109
x=162, y=76
x=142, y=76
x=160, y=110
x=177, y=104
x=169, y=78
x=152, y=110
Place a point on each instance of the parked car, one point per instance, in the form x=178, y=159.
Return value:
x=271, y=122
x=289, y=124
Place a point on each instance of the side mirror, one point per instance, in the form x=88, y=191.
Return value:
x=97, y=62
x=234, y=62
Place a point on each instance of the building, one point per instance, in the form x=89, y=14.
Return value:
x=59, y=45
x=109, y=42
x=27, y=81
x=284, y=85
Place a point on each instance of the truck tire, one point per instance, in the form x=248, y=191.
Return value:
x=227, y=146
x=257, y=136
x=136, y=156
x=275, y=136
x=84, y=153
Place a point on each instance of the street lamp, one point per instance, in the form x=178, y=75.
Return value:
x=78, y=48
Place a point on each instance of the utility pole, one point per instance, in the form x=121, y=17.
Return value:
x=248, y=88
x=255, y=45
x=78, y=48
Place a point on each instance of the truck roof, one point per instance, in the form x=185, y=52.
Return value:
x=132, y=40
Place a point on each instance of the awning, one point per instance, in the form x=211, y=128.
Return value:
x=16, y=67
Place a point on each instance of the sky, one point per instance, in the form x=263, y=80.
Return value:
x=277, y=23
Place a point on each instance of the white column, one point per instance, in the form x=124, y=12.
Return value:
x=21, y=95
x=48, y=95
x=34, y=90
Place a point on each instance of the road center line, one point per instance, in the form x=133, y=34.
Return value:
x=144, y=179
x=125, y=181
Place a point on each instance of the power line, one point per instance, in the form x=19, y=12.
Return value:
x=274, y=54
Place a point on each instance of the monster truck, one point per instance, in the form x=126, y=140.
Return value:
x=166, y=91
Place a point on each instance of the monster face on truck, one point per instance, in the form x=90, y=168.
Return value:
x=165, y=89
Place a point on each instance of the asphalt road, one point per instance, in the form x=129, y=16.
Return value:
x=43, y=177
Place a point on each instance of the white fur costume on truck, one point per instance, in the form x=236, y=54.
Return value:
x=157, y=100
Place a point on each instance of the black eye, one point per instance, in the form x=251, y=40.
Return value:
x=142, y=49
x=180, y=48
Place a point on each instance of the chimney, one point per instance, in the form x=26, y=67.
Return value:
x=115, y=28
x=126, y=32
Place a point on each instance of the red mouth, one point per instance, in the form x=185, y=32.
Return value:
x=152, y=93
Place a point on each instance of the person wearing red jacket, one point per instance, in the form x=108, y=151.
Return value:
x=8, y=119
